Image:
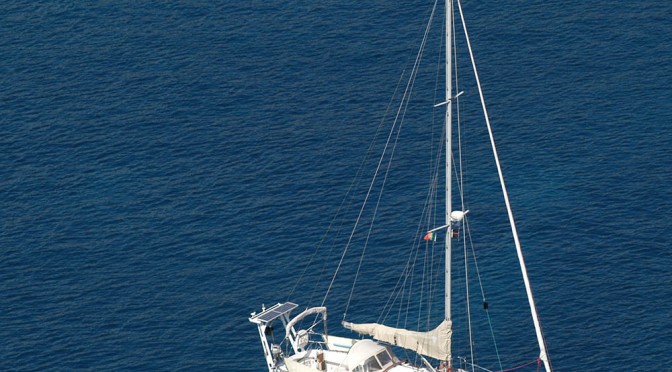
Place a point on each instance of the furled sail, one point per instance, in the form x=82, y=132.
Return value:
x=434, y=343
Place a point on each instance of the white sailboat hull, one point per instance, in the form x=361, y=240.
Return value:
x=334, y=362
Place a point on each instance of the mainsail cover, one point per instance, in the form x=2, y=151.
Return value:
x=434, y=343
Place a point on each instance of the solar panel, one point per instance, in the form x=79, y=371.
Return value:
x=275, y=312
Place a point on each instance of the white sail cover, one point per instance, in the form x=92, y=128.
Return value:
x=434, y=343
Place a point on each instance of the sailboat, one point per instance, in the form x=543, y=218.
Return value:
x=373, y=348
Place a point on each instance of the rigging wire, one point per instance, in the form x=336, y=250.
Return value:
x=480, y=283
x=347, y=197
x=399, y=288
x=433, y=202
x=458, y=167
x=535, y=318
x=361, y=211
x=346, y=200
x=459, y=172
x=397, y=123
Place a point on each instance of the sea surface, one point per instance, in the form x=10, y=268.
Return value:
x=168, y=167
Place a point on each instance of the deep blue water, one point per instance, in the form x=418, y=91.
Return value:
x=164, y=168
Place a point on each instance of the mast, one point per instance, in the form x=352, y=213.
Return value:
x=449, y=106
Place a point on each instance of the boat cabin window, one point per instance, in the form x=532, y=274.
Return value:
x=384, y=358
x=370, y=365
x=375, y=363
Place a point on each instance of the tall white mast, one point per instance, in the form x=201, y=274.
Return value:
x=449, y=116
